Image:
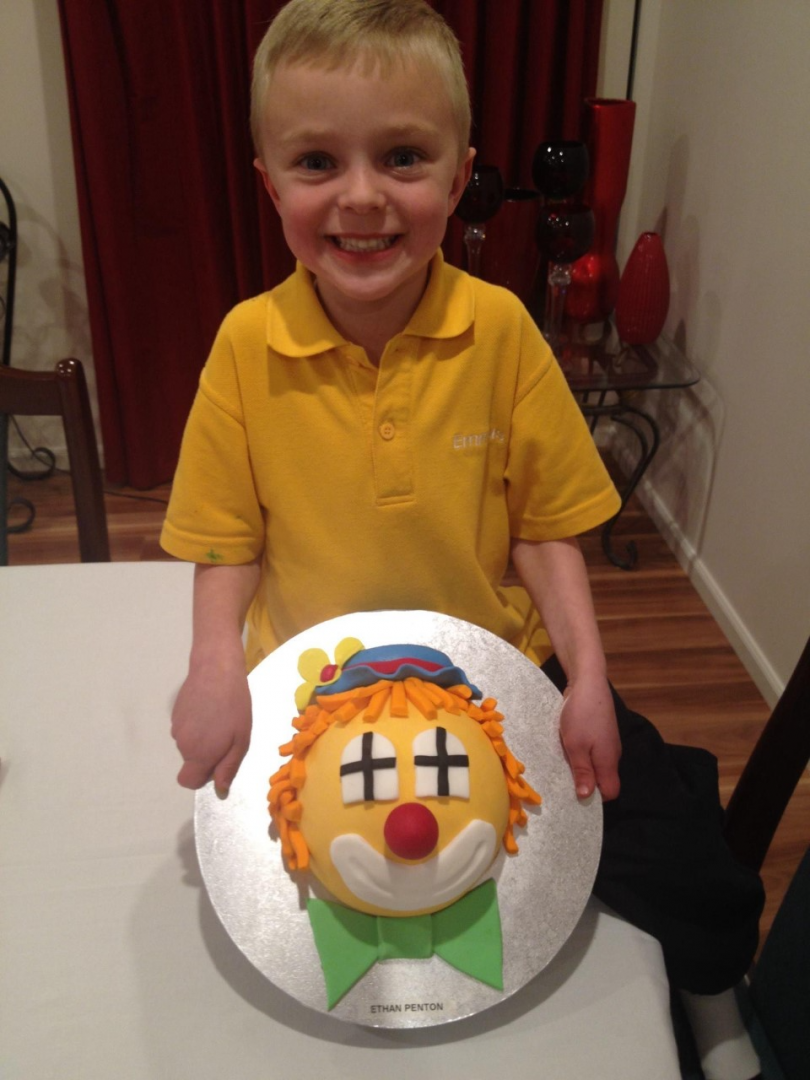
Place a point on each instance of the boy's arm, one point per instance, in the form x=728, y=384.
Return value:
x=211, y=718
x=554, y=575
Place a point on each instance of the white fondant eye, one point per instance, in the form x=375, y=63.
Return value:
x=442, y=764
x=368, y=769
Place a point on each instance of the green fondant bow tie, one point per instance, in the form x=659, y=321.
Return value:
x=466, y=935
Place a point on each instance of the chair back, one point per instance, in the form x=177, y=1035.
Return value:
x=772, y=772
x=8, y=254
x=63, y=392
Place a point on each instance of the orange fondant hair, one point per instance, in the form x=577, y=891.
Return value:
x=427, y=698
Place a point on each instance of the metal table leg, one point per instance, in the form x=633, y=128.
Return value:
x=5, y=505
x=3, y=490
x=647, y=432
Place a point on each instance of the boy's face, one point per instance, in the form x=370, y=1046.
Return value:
x=364, y=171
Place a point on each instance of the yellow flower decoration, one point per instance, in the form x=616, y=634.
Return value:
x=316, y=669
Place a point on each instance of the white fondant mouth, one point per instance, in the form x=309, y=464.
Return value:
x=398, y=887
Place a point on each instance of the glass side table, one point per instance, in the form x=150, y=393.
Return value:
x=602, y=374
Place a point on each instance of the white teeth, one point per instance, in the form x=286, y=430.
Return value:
x=353, y=243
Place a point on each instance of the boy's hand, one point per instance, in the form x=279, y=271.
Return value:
x=211, y=723
x=212, y=715
x=590, y=738
x=555, y=577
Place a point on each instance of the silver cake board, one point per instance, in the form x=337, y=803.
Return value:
x=542, y=891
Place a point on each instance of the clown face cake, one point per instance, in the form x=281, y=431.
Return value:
x=397, y=797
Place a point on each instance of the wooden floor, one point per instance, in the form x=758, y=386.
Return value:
x=666, y=655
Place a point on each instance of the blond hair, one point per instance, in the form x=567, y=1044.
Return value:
x=374, y=34
x=427, y=698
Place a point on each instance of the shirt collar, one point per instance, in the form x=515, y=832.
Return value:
x=298, y=326
x=448, y=307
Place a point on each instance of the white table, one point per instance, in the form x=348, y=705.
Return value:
x=112, y=960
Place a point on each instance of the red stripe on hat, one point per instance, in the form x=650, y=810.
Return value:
x=390, y=667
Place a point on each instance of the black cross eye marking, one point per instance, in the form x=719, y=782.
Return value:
x=368, y=769
x=442, y=764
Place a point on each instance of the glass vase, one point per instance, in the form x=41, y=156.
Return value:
x=643, y=301
x=594, y=287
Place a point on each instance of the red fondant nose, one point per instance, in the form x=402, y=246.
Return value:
x=411, y=831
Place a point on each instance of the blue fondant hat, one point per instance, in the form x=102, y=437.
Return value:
x=398, y=662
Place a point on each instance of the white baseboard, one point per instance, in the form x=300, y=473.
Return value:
x=728, y=618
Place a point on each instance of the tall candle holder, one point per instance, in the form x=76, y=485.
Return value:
x=565, y=227
x=481, y=201
x=564, y=234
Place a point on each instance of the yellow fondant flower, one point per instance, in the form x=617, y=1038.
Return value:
x=316, y=669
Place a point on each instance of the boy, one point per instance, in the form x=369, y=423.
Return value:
x=364, y=151
x=381, y=431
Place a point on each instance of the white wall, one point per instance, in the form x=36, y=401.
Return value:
x=36, y=163
x=721, y=166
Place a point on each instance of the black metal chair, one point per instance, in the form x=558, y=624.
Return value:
x=62, y=392
x=774, y=1001
x=772, y=772
x=8, y=257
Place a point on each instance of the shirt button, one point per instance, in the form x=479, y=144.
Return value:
x=387, y=430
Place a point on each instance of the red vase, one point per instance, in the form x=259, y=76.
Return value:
x=608, y=133
x=643, y=302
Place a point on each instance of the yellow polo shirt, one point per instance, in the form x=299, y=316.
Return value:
x=392, y=488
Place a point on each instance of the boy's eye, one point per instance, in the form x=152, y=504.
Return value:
x=402, y=158
x=315, y=162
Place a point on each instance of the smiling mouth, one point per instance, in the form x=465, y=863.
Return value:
x=364, y=245
x=375, y=879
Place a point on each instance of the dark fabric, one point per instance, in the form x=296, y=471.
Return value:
x=176, y=228
x=780, y=985
x=665, y=866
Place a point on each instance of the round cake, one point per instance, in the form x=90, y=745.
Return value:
x=397, y=796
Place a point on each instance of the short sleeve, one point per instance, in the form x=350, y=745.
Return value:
x=557, y=484
x=214, y=514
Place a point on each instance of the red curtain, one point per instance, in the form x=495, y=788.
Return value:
x=176, y=228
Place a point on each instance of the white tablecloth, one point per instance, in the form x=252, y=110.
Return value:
x=113, y=963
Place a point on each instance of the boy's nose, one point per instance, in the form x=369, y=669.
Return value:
x=362, y=191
